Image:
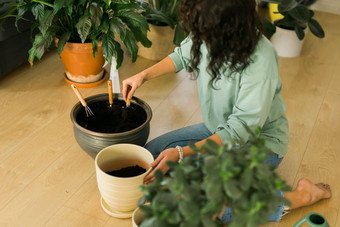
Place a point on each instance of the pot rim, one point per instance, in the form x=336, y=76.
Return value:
x=119, y=96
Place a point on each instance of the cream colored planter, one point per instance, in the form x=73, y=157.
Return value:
x=162, y=43
x=120, y=195
x=286, y=43
x=137, y=217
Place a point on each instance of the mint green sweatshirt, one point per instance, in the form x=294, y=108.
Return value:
x=251, y=98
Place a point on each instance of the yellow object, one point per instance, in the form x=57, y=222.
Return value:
x=272, y=9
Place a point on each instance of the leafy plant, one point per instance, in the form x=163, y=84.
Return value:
x=83, y=21
x=200, y=186
x=296, y=16
x=164, y=13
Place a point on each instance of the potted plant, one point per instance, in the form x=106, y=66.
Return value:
x=99, y=25
x=165, y=30
x=202, y=185
x=110, y=124
x=120, y=170
x=291, y=27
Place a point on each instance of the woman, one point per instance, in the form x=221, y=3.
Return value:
x=237, y=80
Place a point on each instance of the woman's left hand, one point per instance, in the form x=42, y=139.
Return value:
x=170, y=154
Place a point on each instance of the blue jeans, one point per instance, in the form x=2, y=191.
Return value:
x=195, y=133
x=183, y=136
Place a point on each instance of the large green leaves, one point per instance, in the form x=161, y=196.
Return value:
x=83, y=27
x=40, y=45
x=63, y=39
x=130, y=43
x=111, y=48
x=85, y=21
x=296, y=16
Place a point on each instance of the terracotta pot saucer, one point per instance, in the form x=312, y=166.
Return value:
x=88, y=85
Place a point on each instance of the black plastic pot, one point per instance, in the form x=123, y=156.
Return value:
x=93, y=141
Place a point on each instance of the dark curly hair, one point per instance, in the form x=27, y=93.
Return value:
x=230, y=29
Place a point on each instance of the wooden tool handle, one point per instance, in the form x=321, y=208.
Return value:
x=128, y=102
x=82, y=101
x=109, y=86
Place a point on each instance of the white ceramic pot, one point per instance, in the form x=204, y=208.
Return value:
x=137, y=217
x=162, y=43
x=286, y=43
x=120, y=195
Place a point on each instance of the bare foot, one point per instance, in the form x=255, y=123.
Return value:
x=310, y=193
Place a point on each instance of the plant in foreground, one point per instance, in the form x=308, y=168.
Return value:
x=202, y=185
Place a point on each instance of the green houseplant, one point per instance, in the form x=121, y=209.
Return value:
x=165, y=30
x=297, y=17
x=105, y=22
x=199, y=187
x=164, y=13
x=290, y=27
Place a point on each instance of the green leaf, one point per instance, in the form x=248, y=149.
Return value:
x=119, y=54
x=94, y=47
x=246, y=179
x=141, y=37
x=316, y=28
x=158, y=175
x=158, y=16
x=61, y=43
x=108, y=46
x=46, y=21
x=40, y=45
x=131, y=46
x=287, y=5
x=83, y=27
x=231, y=188
x=299, y=32
x=96, y=13
x=117, y=27
x=133, y=18
x=38, y=11
x=58, y=4
x=151, y=221
x=179, y=36
x=300, y=13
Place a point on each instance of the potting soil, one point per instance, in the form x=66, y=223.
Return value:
x=115, y=119
x=130, y=171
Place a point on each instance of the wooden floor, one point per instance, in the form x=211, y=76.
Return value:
x=47, y=180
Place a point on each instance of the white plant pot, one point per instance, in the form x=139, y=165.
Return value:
x=120, y=195
x=162, y=43
x=137, y=217
x=286, y=43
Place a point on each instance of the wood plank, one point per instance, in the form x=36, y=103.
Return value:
x=70, y=217
x=45, y=195
x=88, y=196
x=305, y=83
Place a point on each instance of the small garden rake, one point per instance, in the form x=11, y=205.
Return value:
x=88, y=111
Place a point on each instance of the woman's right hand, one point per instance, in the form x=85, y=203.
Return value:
x=131, y=84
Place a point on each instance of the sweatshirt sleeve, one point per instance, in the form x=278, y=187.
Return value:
x=181, y=55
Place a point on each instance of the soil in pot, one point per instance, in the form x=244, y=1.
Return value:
x=115, y=119
x=130, y=171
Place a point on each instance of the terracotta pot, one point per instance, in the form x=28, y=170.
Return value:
x=286, y=43
x=92, y=142
x=120, y=195
x=162, y=43
x=79, y=63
